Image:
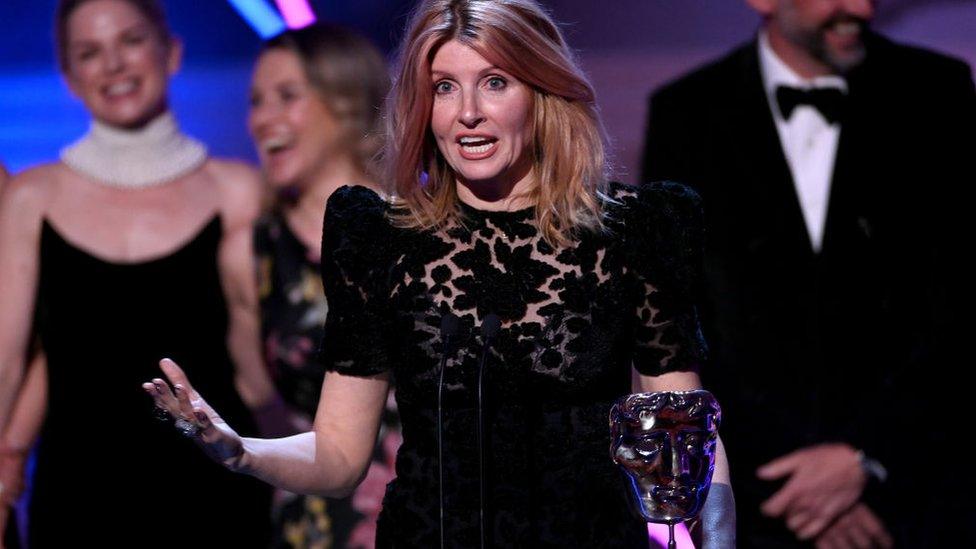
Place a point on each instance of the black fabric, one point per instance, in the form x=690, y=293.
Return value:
x=108, y=473
x=293, y=310
x=852, y=343
x=574, y=320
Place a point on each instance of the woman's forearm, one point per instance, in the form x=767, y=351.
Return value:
x=721, y=473
x=27, y=415
x=11, y=377
x=307, y=463
x=718, y=514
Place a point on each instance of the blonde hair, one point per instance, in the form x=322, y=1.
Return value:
x=350, y=76
x=568, y=143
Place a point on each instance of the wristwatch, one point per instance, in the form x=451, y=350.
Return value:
x=872, y=467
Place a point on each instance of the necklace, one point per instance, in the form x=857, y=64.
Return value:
x=135, y=159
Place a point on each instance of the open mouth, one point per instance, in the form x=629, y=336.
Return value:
x=122, y=89
x=846, y=28
x=476, y=147
x=275, y=145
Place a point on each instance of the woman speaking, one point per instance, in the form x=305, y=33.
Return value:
x=509, y=289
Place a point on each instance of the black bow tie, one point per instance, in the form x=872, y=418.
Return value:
x=829, y=101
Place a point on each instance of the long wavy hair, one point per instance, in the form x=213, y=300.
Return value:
x=568, y=144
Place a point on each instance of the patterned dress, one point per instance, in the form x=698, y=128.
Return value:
x=293, y=311
x=575, y=319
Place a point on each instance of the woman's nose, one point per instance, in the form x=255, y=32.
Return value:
x=471, y=114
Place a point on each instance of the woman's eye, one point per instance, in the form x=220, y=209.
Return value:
x=443, y=87
x=85, y=55
x=288, y=94
x=496, y=83
x=135, y=39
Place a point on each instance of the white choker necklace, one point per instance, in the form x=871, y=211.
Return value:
x=135, y=159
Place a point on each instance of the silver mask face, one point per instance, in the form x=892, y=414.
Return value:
x=665, y=442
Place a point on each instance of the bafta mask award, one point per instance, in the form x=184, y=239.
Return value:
x=665, y=443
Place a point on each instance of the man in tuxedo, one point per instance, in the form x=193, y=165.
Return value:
x=831, y=163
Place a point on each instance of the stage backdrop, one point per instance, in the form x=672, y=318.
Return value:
x=628, y=47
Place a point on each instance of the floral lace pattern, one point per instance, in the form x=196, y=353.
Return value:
x=574, y=321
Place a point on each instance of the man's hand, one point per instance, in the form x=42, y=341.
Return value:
x=858, y=528
x=823, y=482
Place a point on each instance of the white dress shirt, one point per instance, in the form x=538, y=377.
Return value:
x=809, y=142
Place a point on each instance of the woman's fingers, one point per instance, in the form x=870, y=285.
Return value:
x=158, y=390
x=178, y=401
x=193, y=416
x=166, y=394
x=186, y=408
x=176, y=375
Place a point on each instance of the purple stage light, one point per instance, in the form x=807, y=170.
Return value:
x=297, y=13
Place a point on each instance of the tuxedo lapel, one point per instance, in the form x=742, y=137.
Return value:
x=760, y=158
x=842, y=190
x=847, y=221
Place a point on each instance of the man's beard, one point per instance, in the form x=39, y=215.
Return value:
x=817, y=45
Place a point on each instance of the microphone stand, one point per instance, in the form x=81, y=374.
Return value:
x=450, y=325
x=489, y=329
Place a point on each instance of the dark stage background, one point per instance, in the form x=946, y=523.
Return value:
x=627, y=46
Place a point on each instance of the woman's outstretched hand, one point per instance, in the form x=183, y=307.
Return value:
x=194, y=417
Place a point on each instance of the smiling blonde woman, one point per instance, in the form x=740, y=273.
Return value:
x=137, y=245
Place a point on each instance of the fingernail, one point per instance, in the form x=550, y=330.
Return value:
x=179, y=388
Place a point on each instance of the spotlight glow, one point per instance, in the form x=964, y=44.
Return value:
x=659, y=536
x=261, y=16
x=297, y=13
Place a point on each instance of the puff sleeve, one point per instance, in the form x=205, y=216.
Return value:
x=356, y=247
x=663, y=235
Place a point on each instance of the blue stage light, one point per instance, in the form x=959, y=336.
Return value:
x=262, y=17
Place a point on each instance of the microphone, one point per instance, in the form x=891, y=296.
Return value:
x=489, y=329
x=450, y=325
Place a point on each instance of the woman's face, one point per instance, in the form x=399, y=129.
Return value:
x=481, y=119
x=295, y=132
x=117, y=62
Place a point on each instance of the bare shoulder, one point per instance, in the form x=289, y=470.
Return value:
x=27, y=194
x=240, y=188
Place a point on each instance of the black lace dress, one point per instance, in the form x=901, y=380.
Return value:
x=574, y=320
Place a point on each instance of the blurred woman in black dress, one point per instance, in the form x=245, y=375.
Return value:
x=137, y=245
